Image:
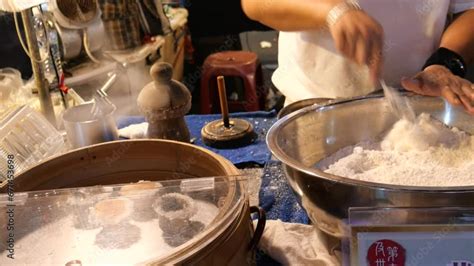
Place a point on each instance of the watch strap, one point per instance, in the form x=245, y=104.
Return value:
x=448, y=58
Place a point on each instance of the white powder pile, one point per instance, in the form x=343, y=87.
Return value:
x=59, y=242
x=426, y=153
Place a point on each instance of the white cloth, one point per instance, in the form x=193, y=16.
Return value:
x=295, y=244
x=134, y=131
x=310, y=66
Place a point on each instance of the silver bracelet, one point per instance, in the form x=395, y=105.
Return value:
x=339, y=10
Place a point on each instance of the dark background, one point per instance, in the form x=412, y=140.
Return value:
x=11, y=53
x=218, y=17
x=214, y=26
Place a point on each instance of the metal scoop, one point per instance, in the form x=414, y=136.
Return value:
x=398, y=103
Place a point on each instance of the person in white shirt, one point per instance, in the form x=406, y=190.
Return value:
x=340, y=49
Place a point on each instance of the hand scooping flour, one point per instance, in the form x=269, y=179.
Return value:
x=426, y=153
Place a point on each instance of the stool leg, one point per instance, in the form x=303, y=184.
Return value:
x=262, y=90
x=204, y=93
x=252, y=101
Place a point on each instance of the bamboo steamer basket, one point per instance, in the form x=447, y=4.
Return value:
x=233, y=242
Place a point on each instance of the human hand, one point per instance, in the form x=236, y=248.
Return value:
x=437, y=80
x=360, y=38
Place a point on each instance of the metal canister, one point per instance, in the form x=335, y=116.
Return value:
x=84, y=129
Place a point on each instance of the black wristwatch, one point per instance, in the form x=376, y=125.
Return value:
x=450, y=59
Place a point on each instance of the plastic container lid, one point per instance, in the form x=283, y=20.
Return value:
x=120, y=224
x=29, y=137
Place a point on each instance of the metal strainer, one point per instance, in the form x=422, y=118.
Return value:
x=76, y=13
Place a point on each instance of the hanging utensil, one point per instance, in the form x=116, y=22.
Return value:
x=100, y=98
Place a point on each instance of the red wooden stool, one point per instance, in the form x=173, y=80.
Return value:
x=241, y=64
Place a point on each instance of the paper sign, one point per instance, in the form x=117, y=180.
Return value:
x=411, y=236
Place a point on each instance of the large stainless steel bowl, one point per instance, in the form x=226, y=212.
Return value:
x=305, y=137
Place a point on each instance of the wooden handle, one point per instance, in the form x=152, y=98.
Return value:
x=223, y=100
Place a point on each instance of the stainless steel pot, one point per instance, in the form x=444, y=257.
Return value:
x=305, y=137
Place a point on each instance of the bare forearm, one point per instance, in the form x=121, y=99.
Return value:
x=289, y=15
x=459, y=37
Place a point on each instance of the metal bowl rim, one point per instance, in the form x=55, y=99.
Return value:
x=314, y=172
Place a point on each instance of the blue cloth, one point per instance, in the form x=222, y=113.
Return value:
x=256, y=152
x=279, y=202
x=277, y=198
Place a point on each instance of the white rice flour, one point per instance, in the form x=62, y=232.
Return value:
x=426, y=153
